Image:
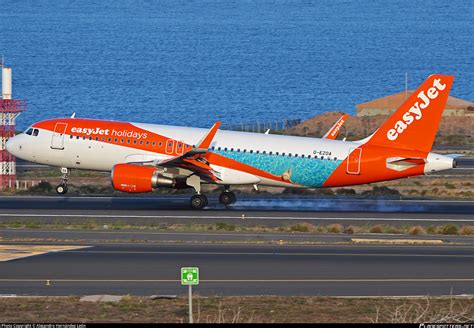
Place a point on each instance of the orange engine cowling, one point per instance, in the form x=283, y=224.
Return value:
x=137, y=178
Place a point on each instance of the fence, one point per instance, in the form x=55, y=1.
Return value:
x=261, y=127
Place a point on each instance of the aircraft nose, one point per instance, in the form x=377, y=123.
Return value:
x=12, y=146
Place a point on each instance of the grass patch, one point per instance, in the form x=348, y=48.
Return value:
x=449, y=229
x=466, y=230
x=416, y=230
x=243, y=227
x=253, y=309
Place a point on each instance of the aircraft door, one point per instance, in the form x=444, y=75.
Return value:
x=57, y=141
x=169, y=146
x=353, y=161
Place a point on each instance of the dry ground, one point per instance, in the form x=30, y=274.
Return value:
x=238, y=309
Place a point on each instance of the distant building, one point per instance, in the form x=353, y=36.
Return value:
x=387, y=105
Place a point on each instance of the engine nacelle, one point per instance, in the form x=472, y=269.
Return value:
x=137, y=178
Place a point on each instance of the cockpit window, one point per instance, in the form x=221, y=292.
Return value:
x=29, y=131
x=35, y=132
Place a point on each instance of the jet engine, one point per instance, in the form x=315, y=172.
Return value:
x=137, y=178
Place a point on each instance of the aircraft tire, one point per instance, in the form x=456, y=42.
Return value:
x=227, y=198
x=199, y=202
x=61, y=189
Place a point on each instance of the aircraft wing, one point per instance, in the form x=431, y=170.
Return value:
x=194, y=159
x=336, y=128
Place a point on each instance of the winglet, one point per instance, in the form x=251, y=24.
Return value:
x=206, y=141
x=336, y=128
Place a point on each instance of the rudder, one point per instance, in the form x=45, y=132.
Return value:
x=415, y=123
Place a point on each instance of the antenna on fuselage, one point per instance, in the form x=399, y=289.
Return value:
x=406, y=85
x=73, y=115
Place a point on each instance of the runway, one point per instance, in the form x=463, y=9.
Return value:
x=245, y=270
x=270, y=210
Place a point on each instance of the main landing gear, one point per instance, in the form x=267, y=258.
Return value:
x=199, y=201
x=227, y=197
x=62, y=187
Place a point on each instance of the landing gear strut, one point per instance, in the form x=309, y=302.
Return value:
x=62, y=187
x=227, y=197
x=198, y=201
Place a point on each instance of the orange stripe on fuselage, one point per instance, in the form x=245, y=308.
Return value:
x=373, y=167
x=116, y=132
x=99, y=128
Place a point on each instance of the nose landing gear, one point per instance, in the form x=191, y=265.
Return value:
x=62, y=187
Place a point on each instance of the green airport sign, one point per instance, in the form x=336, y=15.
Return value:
x=190, y=276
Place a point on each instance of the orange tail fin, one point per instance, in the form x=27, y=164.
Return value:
x=415, y=123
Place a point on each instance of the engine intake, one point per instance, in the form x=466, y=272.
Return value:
x=137, y=178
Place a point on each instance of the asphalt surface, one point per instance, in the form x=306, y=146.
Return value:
x=272, y=211
x=245, y=270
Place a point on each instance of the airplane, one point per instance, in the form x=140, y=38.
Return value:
x=141, y=157
x=333, y=132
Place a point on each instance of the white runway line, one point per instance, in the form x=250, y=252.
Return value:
x=237, y=217
x=274, y=253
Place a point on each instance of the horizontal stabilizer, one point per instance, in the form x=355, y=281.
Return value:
x=403, y=163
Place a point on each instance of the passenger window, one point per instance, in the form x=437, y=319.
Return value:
x=258, y=151
x=289, y=154
x=270, y=153
x=71, y=136
x=115, y=140
x=322, y=157
x=77, y=137
x=149, y=143
x=109, y=140
x=121, y=140
x=251, y=151
x=225, y=148
x=134, y=142
x=35, y=132
x=232, y=149
x=160, y=144
x=96, y=138
x=90, y=138
x=141, y=142
x=128, y=141
x=264, y=152
x=277, y=153
x=154, y=143
x=238, y=150
x=84, y=138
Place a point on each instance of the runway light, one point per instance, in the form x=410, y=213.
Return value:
x=48, y=283
x=243, y=216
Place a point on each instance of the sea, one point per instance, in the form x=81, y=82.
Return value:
x=195, y=62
